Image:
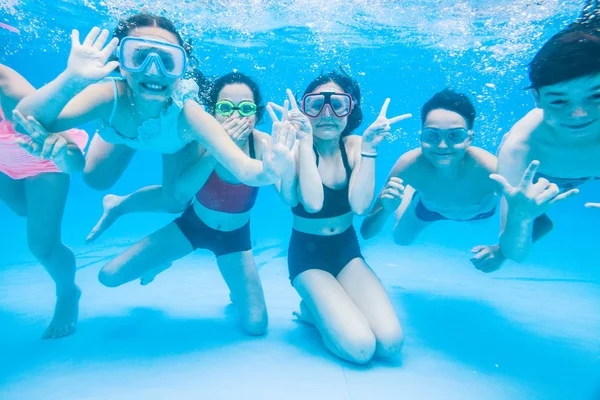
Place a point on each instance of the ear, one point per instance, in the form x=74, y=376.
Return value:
x=536, y=96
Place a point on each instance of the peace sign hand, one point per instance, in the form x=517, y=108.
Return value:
x=528, y=201
x=278, y=158
x=299, y=121
x=380, y=129
x=43, y=145
x=87, y=60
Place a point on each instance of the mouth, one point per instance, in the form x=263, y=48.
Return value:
x=579, y=126
x=442, y=154
x=326, y=125
x=153, y=87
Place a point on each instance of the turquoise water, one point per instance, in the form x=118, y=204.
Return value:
x=529, y=331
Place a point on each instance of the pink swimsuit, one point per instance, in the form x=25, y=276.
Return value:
x=16, y=162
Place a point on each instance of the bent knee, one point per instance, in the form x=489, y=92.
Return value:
x=109, y=278
x=389, y=343
x=256, y=326
x=359, y=346
x=42, y=248
x=97, y=180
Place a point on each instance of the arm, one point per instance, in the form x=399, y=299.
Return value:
x=204, y=128
x=14, y=87
x=361, y=189
x=388, y=199
x=515, y=232
x=310, y=186
x=67, y=101
x=287, y=186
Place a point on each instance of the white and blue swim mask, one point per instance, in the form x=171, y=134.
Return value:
x=138, y=54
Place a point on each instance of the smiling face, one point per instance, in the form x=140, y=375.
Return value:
x=444, y=153
x=572, y=108
x=152, y=84
x=236, y=93
x=327, y=125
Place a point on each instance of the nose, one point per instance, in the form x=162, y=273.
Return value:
x=152, y=68
x=442, y=144
x=579, y=112
x=327, y=111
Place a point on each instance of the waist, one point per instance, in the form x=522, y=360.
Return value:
x=219, y=220
x=461, y=212
x=323, y=226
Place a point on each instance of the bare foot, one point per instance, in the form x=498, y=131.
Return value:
x=149, y=276
x=110, y=204
x=487, y=258
x=304, y=315
x=65, y=315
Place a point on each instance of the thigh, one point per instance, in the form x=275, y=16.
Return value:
x=105, y=163
x=162, y=247
x=12, y=193
x=238, y=269
x=366, y=291
x=46, y=196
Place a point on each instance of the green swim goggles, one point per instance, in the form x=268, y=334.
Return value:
x=226, y=108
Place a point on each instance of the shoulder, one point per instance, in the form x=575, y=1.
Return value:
x=483, y=159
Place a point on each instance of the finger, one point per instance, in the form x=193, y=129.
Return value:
x=504, y=185
x=75, y=38
x=110, y=48
x=48, y=146
x=396, y=185
x=276, y=106
x=396, y=179
x=272, y=113
x=110, y=67
x=284, y=113
x=548, y=194
x=58, y=147
x=477, y=249
x=564, y=196
x=292, y=99
x=91, y=37
x=541, y=185
x=101, y=39
x=29, y=147
x=392, y=192
x=529, y=174
x=19, y=119
x=383, y=111
x=38, y=128
x=399, y=118
x=291, y=138
x=592, y=205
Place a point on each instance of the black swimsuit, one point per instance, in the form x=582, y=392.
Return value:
x=328, y=253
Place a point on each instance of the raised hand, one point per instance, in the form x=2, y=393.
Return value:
x=391, y=195
x=299, y=121
x=380, y=129
x=528, y=201
x=278, y=155
x=87, y=60
x=43, y=145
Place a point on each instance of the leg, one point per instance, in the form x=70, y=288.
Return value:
x=369, y=295
x=343, y=327
x=46, y=195
x=12, y=193
x=105, y=163
x=160, y=248
x=240, y=274
x=408, y=226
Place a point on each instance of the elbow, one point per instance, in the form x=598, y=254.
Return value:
x=365, y=232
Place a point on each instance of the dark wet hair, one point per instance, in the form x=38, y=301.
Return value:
x=572, y=53
x=450, y=100
x=141, y=20
x=230, y=79
x=349, y=86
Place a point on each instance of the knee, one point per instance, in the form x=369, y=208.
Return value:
x=360, y=346
x=403, y=240
x=109, y=278
x=42, y=248
x=256, y=326
x=389, y=342
x=97, y=181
